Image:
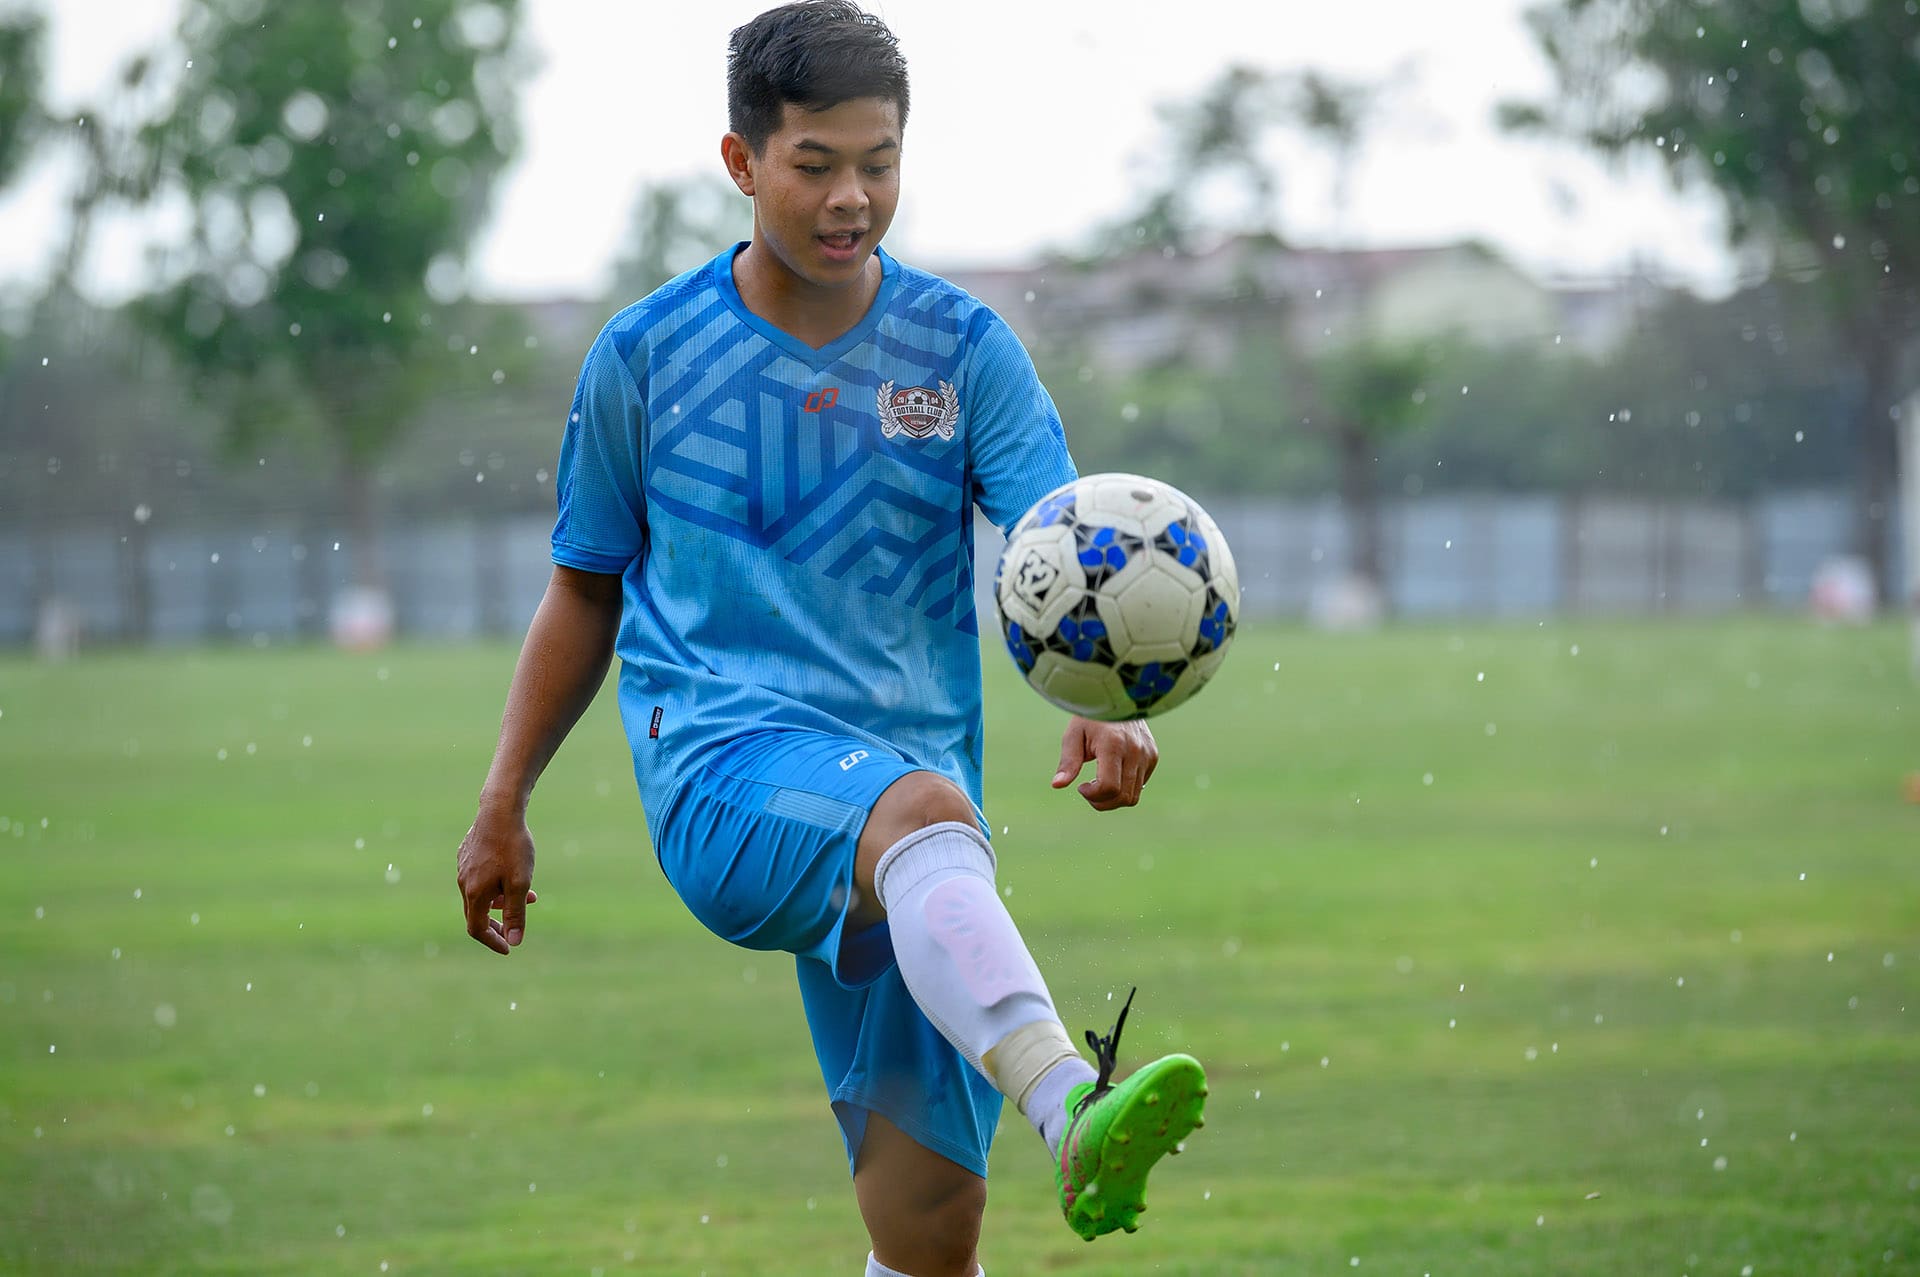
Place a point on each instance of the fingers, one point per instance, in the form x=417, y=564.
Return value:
x=1125, y=757
x=513, y=915
x=479, y=925
x=1108, y=786
x=500, y=902
x=1073, y=753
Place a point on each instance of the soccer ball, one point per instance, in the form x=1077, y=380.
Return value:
x=1117, y=596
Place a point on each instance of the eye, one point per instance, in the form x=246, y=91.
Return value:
x=814, y=170
x=879, y=170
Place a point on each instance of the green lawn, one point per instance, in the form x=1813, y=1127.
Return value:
x=1605, y=963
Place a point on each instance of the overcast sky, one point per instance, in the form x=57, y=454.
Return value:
x=1031, y=121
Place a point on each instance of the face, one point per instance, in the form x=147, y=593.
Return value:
x=824, y=189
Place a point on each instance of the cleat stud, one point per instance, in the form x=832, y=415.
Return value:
x=1202, y=1092
x=1122, y=1138
x=1199, y=1122
x=1132, y=1228
x=1177, y=1149
x=1152, y=1098
x=1116, y=1166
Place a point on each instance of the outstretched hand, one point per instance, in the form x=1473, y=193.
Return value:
x=1123, y=755
x=496, y=872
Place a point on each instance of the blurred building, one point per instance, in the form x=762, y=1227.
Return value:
x=1156, y=307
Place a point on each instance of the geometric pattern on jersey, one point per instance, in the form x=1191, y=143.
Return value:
x=793, y=569
x=736, y=452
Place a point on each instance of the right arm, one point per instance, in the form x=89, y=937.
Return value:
x=562, y=665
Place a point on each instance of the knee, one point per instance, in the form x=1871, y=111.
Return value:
x=915, y=801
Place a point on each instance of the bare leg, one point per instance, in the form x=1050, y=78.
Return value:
x=922, y=1211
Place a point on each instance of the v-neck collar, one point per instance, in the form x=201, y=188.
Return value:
x=817, y=356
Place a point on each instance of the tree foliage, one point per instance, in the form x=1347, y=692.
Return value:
x=337, y=159
x=22, y=43
x=675, y=226
x=1804, y=119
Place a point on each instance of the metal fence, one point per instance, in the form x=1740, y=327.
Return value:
x=1492, y=556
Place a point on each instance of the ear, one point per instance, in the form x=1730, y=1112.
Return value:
x=739, y=159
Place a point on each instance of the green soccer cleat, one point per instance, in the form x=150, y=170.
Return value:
x=1115, y=1134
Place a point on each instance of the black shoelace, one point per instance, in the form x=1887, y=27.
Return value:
x=1106, y=1051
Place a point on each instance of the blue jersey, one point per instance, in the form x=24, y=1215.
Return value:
x=794, y=526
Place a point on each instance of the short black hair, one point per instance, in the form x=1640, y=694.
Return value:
x=815, y=54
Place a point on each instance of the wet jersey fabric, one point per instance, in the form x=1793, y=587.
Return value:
x=794, y=526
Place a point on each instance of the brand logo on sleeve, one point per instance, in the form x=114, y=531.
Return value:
x=918, y=412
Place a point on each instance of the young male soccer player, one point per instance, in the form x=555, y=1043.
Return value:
x=766, y=489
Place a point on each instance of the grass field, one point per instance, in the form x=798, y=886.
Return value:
x=1585, y=949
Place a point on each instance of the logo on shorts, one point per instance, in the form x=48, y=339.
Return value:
x=918, y=412
x=853, y=760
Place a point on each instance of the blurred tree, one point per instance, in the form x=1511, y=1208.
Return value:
x=337, y=159
x=1215, y=137
x=22, y=40
x=675, y=227
x=1804, y=118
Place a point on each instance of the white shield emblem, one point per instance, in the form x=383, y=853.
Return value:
x=918, y=412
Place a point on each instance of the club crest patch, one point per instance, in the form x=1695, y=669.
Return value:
x=918, y=412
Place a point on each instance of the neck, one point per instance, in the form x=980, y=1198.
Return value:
x=816, y=315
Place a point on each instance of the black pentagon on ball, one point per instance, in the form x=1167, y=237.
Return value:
x=1057, y=508
x=1216, y=623
x=1103, y=551
x=1023, y=647
x=1082, y=635
x=1149, y=683
x=1184, y=543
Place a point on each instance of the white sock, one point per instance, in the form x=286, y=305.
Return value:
x=1047, y=1105
x=877, y=1269
x=965, y=964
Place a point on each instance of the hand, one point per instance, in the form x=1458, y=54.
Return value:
x=496, y=872
x=1123, y=755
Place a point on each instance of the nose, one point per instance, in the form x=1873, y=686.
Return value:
x=849, y=194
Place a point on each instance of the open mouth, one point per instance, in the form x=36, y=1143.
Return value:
x=841, y=243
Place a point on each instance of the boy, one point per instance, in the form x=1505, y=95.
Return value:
x=766, y=488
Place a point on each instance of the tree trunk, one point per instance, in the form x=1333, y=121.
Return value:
x=1878, y=443
x=363, y=526
x=1360, y=495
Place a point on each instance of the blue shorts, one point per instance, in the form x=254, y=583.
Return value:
x=759, y=842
